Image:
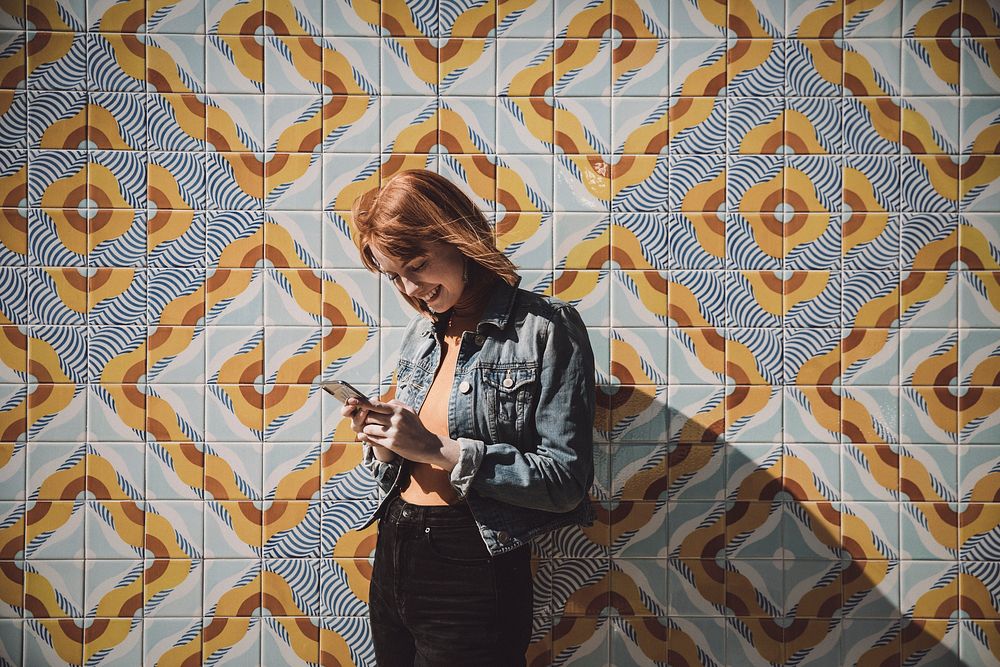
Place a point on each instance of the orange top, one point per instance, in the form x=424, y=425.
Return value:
x=430, y=484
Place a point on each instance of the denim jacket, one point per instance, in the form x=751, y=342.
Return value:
x=522, y=409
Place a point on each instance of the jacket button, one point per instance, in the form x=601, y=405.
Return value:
x=503, y=537
x=465, y=387
x=480, y=339
x=508, y=383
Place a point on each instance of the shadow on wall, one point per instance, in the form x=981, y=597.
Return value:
x=708, y=552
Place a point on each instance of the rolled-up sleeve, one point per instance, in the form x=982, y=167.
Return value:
x=385, y=473
x=558, y=473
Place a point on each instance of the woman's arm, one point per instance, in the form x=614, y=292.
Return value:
x=558, y=474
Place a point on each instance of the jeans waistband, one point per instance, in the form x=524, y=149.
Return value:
x=401, y=512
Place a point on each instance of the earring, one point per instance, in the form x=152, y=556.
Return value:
x=465, y=271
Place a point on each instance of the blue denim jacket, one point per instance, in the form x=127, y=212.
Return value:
x=522, y=409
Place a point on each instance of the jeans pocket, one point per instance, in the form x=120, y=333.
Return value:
x=458, y=544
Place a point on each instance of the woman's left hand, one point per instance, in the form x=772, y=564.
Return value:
x=397, y=427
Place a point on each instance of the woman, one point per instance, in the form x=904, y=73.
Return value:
x=488, y=441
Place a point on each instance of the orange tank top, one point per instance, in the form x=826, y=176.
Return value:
x=430, y=484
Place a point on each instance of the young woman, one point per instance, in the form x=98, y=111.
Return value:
x=488, y=441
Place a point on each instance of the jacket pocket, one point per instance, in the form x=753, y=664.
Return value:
x=509, y=394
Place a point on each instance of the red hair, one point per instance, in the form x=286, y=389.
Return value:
x=416, y=208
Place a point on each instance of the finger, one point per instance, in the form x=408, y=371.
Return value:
x=375, y=405
x=378, y=418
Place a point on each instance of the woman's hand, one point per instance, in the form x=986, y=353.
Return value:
x=396, y=427
x=357, y=412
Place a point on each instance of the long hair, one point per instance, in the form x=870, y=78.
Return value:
x=418, y=207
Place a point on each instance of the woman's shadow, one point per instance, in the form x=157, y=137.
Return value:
x=708, y=551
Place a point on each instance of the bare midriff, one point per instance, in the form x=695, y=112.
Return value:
x=430, y=484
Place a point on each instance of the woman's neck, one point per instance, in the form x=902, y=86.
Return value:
x=471, y=304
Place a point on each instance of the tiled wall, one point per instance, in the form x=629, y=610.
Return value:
x=781, y=222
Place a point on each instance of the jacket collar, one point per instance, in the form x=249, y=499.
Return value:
x=498, y=309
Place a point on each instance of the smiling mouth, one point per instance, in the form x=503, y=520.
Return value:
x=433, y=295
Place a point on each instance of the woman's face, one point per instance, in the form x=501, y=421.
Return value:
x=434, y=276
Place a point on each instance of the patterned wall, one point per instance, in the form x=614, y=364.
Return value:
x=781, y=222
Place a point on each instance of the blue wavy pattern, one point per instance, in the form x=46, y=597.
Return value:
x=354, y=484
x=70, y=344
x=742, y=306
x=743, y=249
x=223, y=192
x=340, y=516
x=103, y=70
x=826, y=175
x=650, y=194
x=303, y=579
x=765, y=344
x=823, y=252
x=338, y=598
x=686, y=252
x=804, y=79
x=48, y=167
x=47, y=108
x=425, y=16
x=129, y=170
x=129, y=307
x=187, y=250
x=708, y=136
x=164, y=132
x=688, y=171
x=651, y=233
x=801, y=345
x=860, y=135
x=356, y=633
x=823, y=310
x=709, y=290
x=300, y=541
x=747, y=171
x=166, y=285
x=767, y=79
x=883, y=174
x=129, y=249
x=920, y=230
x=918, y=193
x=66, y=73
x=107, y=343
x=748, y=113
x=44, y=245
x=129, y=112
x=188, y=171
x=44, y=303
x=826, y=117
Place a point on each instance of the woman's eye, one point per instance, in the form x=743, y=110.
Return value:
x=421, y=266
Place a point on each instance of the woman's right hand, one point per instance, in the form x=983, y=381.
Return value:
x=358, y=414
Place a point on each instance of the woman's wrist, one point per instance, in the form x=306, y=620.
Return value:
x=448, y=452
x=383, y=454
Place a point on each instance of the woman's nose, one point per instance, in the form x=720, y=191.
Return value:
x=409, y=286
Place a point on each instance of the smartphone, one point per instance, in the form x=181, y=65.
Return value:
x=343, y=390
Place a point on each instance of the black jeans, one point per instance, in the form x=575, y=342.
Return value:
x=438, y=597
